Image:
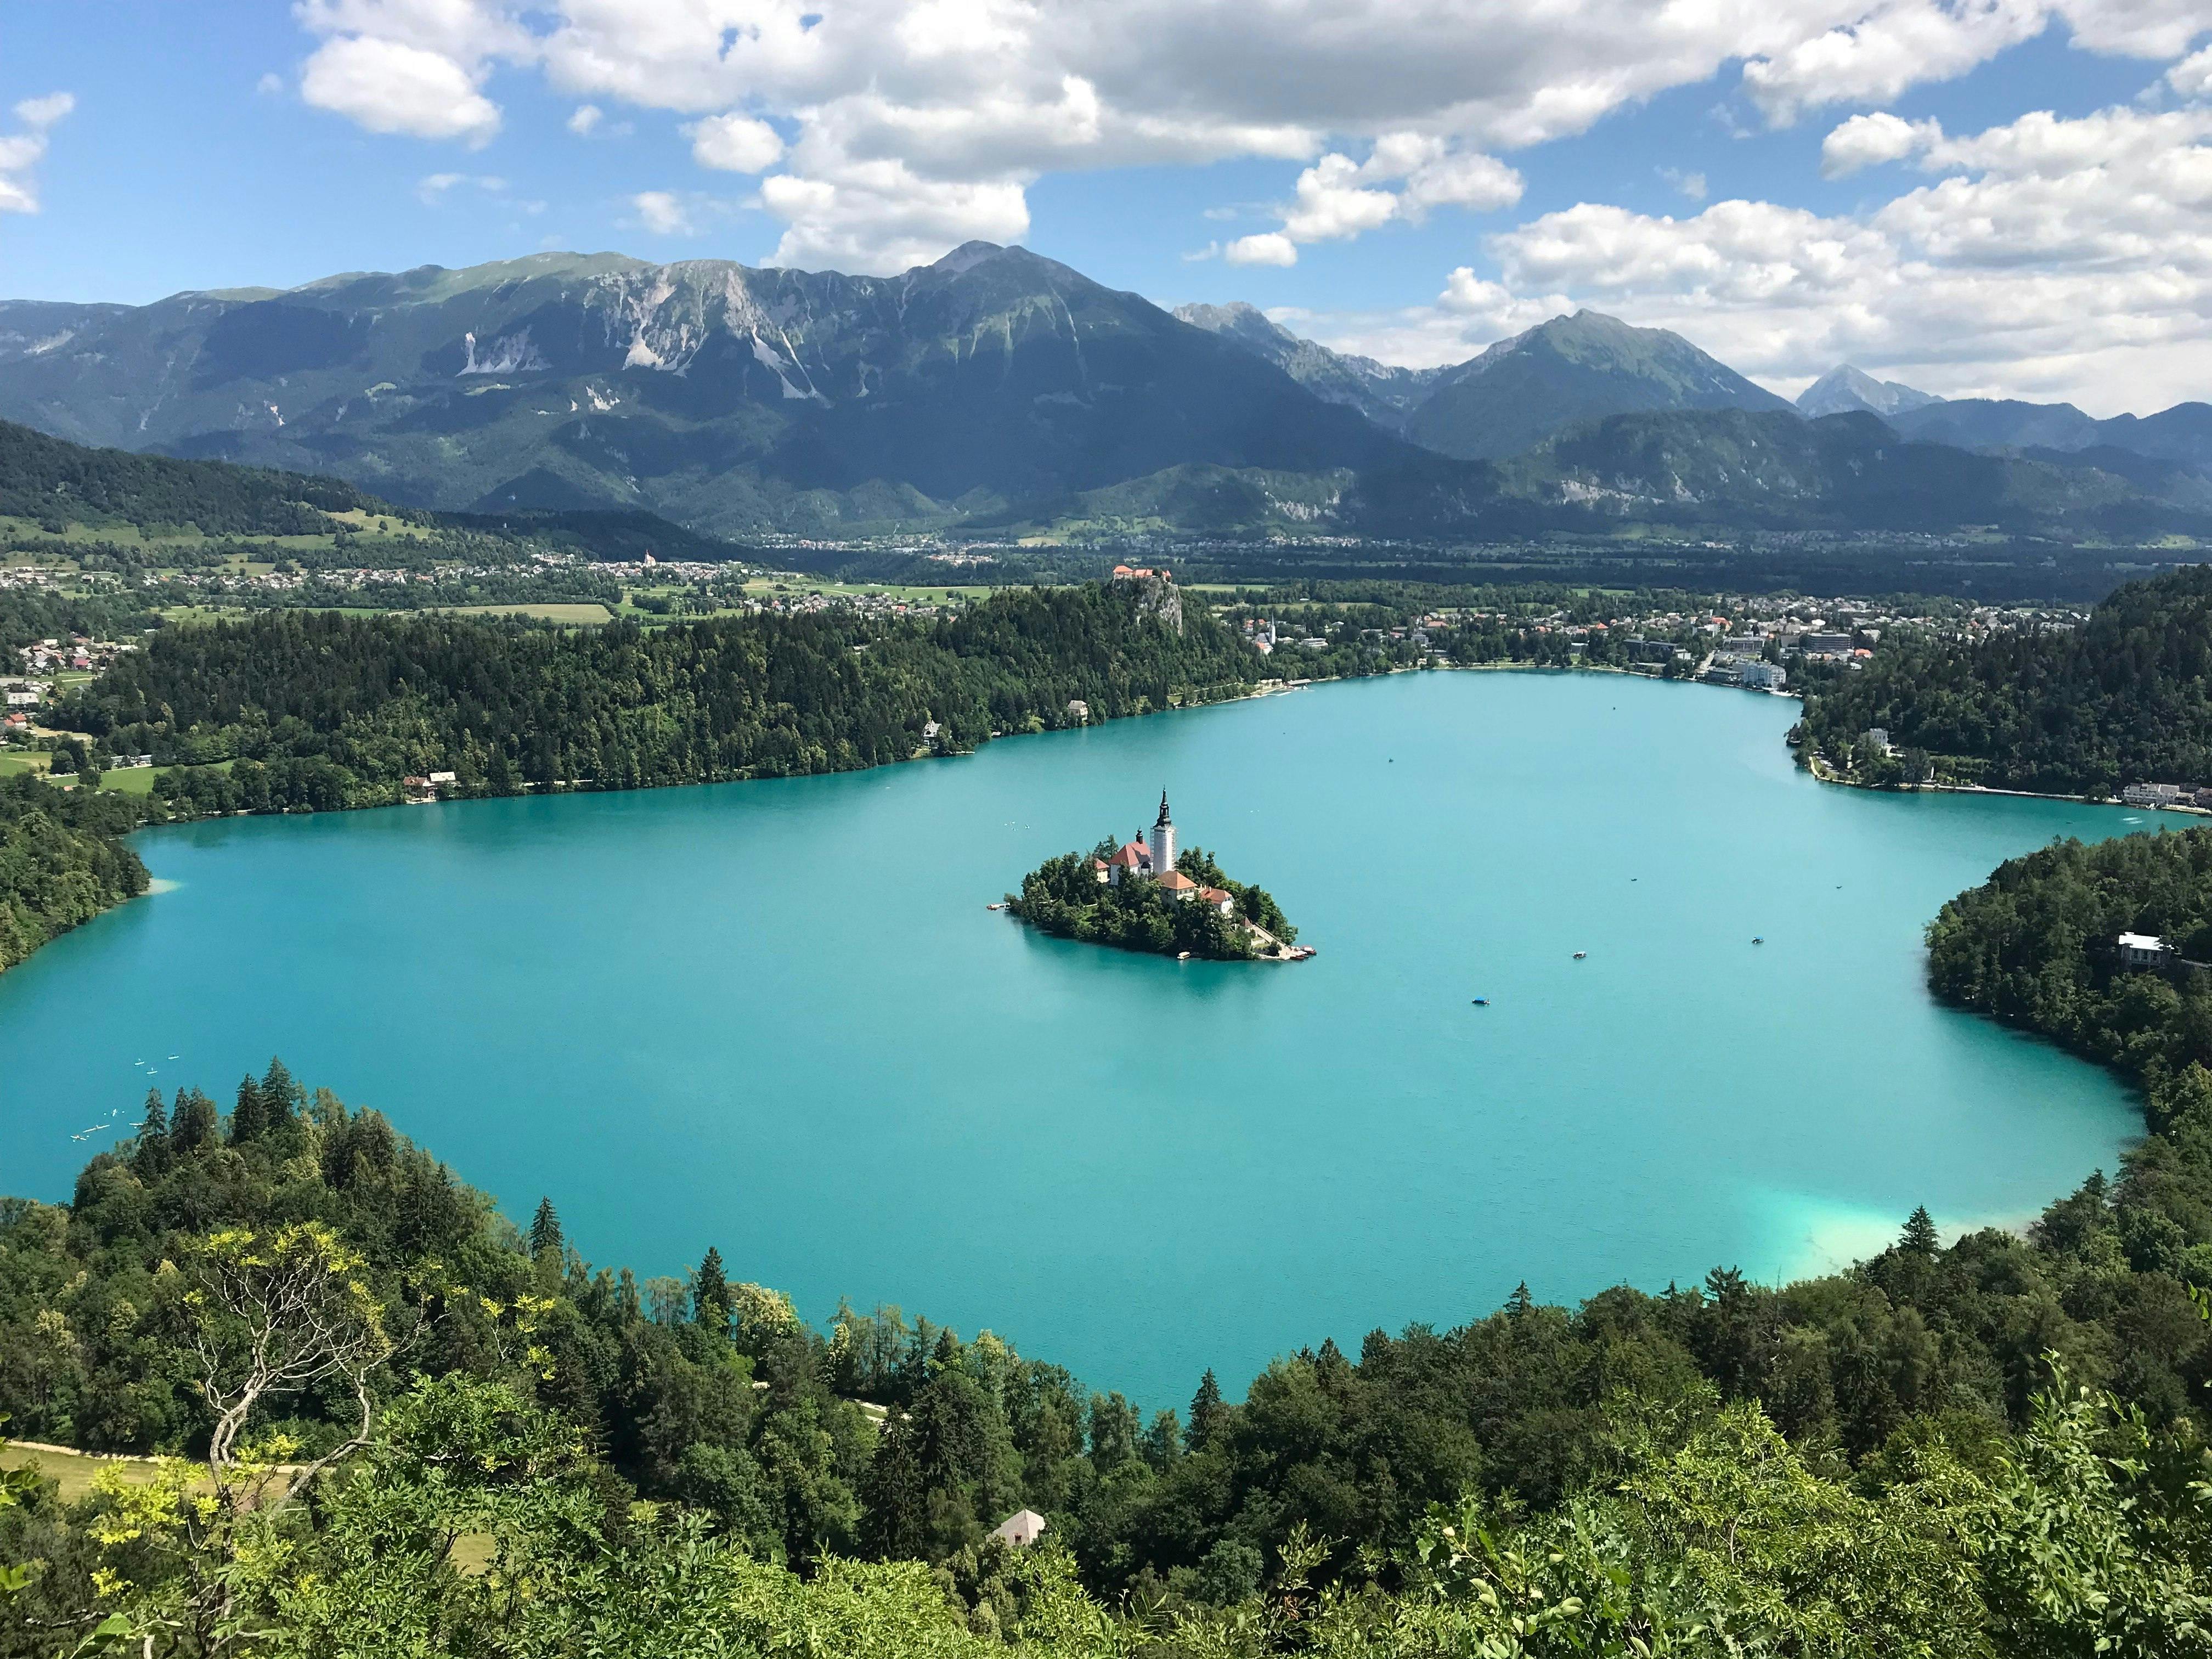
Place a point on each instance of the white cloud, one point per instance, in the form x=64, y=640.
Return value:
x=2193, y=76
x=1337, y=197
x=907, y=127
x=1892, y=44
x=734, y=143
x=270, y=84
x=435, y=188
x=586, y=116
x=977, y=99
x=1267, y=248
x=388, y=86
x=2051, y=258
x=881, y=216
x=21, y=152
x=1867, y=141
x=1692, y=184
x=40, y=114
x=661, y=212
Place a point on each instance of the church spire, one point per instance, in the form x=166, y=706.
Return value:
x=1163, y=818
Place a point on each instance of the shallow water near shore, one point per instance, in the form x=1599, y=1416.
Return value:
x=778, y=1019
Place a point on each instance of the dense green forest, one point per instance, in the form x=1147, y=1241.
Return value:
x=54, y=484
x=526, y=1453
x=62, y=861
x=2034, y=947
x=1064, y=897
x=2125, y=699
x=322, y=711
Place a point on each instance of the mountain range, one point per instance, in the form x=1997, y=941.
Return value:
x=996, y=390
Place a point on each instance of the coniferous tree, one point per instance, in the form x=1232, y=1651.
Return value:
x=245, y=1119
x=192, y=1122
x=151, y=1155
x=1520, y=1301
x=544, y=1229
x=1206, y=1411
x=1919, y=1236
x=710, y=1293
x=282, y=1098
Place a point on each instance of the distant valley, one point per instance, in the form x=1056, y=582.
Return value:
x=996, y=393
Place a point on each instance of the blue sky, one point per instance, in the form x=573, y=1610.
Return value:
x=1976, y=196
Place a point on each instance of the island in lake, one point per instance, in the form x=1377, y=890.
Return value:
x=1142, y=895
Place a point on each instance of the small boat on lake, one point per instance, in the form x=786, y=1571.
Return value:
x=994, y=907
x=1758, y=941
x=1482, y=1002
x=1579, y=955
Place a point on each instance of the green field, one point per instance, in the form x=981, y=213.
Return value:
x=75, y=1470
x=581, y=615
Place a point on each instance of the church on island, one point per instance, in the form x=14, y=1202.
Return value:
x=1138, y=860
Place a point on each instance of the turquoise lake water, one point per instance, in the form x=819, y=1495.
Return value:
x=777, y=1018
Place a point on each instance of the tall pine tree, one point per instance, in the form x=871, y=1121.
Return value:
x=246, y=1118
x=544, y=1230
x=150, y=1157
x=192, y=1122
x=710, y=1293
x=282, y=1098
x=1206, y=1411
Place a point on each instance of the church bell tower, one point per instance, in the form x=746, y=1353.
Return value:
x=1163, y=840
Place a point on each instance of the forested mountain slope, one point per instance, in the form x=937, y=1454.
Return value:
x=2126, y=698
x=53, y=483
x=727, y=397
x=1572, y=370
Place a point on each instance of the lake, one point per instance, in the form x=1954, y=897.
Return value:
x=777, y=1018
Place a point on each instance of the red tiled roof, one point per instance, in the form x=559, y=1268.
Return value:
x=1175, y=881
x=1211, y=894
x=1130, y=856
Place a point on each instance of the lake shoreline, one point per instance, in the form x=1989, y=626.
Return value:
x=775, y=1010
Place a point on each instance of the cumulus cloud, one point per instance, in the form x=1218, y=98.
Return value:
x=883, y=215
x=1404, y=175
x=21, y=152
x=388, y=86
x=977, y=99
x=662, y=213
x=887, y=132
x=2044, y=257
x=1867, y=141
x=1267, y=248
x=734, y=143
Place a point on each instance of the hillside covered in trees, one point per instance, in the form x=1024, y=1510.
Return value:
x=62, y=861
x=2125, y=699
x=2034, y=947
x=54, y=482
x=326, y=711
x=1890, y=1461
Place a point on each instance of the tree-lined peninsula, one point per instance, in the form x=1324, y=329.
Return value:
x=2126, y=698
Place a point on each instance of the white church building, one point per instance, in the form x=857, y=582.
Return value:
x=1139, y=860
